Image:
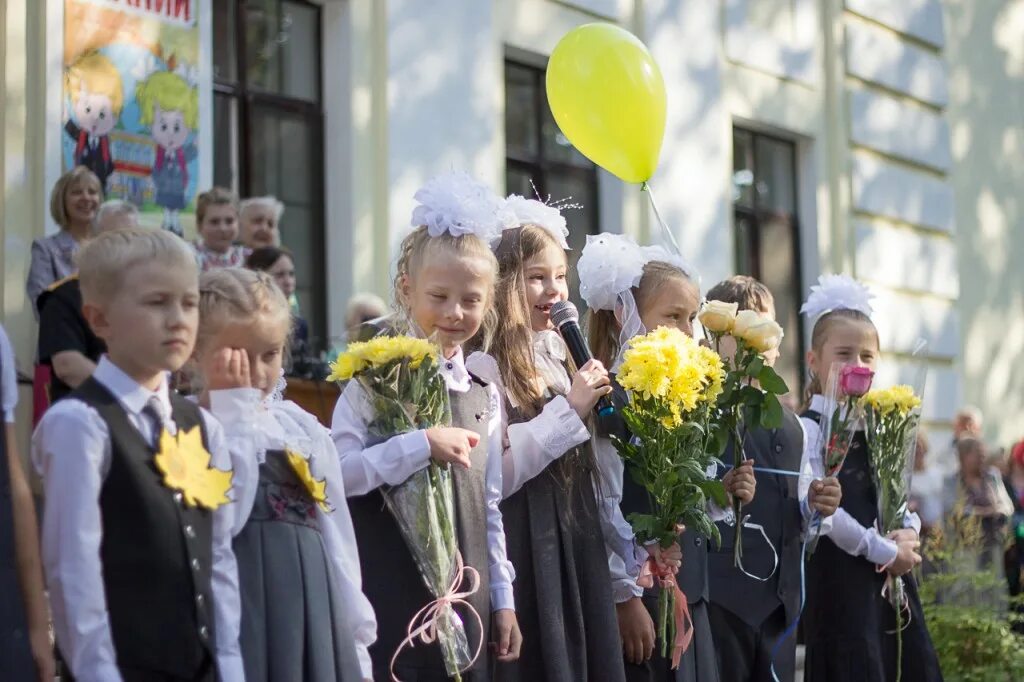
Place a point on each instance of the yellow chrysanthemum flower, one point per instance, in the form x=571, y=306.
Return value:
x=667, y=365
x=378, y=352
x=899, y=399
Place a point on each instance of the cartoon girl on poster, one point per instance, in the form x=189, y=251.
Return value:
x=170, y=107
x=94, y=85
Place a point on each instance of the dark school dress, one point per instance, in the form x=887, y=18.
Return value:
x=16, y=663
x=62, y=327
x=293, y=625
x=157, y=554
x=391, y=580
x=563, y=590
x=748, y=616
x=698, y=663
x=849, y=627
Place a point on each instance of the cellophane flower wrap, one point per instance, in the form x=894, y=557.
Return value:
x=891, y=419
x=673, y=384
x=406, y=392
x=749, y=397
x=840, y=418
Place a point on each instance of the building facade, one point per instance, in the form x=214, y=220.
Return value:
x=880, y=139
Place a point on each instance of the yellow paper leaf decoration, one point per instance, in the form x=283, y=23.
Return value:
x=317, y=489
x=185, y=464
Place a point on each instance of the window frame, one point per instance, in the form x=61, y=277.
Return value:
x=756, y=214
x=248, y=101
x=541, y=167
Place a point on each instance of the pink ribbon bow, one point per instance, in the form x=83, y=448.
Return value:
x=684, y=624
x=423, y=625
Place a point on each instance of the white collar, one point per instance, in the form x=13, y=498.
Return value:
x=454, y=371
x=132, y=395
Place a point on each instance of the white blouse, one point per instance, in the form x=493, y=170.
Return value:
x=367, y=467
x=844, y=530
x=253, y=425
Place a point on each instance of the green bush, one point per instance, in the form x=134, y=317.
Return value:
x=966, y=610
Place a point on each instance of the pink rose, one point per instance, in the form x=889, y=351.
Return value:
x=855, y=381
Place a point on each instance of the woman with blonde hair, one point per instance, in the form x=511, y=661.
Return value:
x=74, y=201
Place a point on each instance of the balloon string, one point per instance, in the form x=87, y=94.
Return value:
x=669, y=237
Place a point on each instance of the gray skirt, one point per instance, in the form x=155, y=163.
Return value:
x=293, y=625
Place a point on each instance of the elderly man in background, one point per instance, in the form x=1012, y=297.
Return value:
x=66, y=343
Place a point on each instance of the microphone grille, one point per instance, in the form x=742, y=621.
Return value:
x=563, y=312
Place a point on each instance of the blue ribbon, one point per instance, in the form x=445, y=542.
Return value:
x=791, y=629
x=767, y=470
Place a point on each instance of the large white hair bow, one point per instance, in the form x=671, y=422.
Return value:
x=609, y=265
x=457, y=203
x=837, y=292
x=517, y=211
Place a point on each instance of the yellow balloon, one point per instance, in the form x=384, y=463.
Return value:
x=608, y=97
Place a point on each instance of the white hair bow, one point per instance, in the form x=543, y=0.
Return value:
x=459, y=204
x=837, y=292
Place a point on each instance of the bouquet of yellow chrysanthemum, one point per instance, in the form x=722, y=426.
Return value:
x=406, y=392
x=673, y=384
x=891, y=418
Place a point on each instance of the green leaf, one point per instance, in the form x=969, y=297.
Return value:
x=755, y=367
x=715, y=490
x=772, y=382
x=771, y=415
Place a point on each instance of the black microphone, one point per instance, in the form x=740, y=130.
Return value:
x=566, y=319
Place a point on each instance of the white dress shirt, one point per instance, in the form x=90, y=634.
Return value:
x=71, y=450
x=367, y=467
x=254, y=424
x=844, y=530
x=8, y=380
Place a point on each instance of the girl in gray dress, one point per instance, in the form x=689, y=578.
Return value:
x=303, y=614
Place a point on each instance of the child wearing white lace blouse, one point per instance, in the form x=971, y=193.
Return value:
x=444, y=290
x=303, y=614
x=555, y=540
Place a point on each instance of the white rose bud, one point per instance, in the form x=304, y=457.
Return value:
x=758, y=331
x=718, y=317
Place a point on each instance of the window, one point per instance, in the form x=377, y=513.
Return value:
x=538, y=152
x=767, y=234
x=268, y=123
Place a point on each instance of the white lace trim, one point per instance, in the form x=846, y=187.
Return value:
x=558, y=428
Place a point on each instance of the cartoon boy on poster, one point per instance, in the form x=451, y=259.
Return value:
x=94, y=86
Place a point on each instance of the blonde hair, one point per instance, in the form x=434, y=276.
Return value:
x=97, y=75
x=116, y=207
x=603, y=328
x=104, y=260
x=418, y=247
x=215, y=196
x=75, y=177
x=820, y=334
x=237, y=295
x=170, y=92
x=512, y=342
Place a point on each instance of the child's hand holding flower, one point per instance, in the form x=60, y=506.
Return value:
x=740, y=482
x=825, y=495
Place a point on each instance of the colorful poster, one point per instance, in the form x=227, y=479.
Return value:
x=131, y=102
